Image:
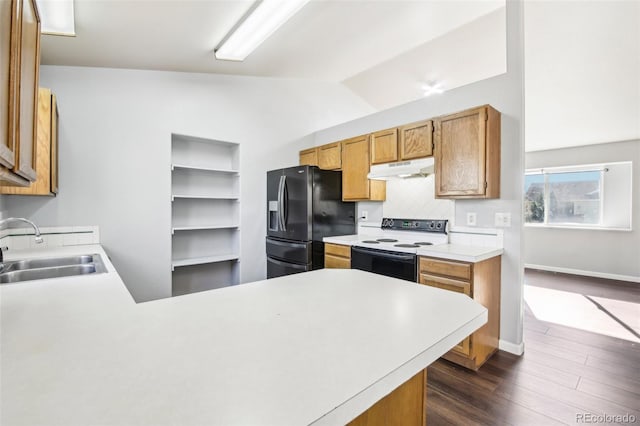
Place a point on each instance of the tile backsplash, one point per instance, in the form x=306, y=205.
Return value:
x=412, y=198
x=23, y=238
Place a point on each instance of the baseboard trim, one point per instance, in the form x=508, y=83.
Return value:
x=595, y=274
x=516, y=349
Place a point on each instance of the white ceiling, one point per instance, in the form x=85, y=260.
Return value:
x=582, y=58
x=326, y=40
x=582, y=73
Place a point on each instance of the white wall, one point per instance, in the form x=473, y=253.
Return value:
x=614, y=254
x=115, y=145
x=505, y=93
x=582, y=67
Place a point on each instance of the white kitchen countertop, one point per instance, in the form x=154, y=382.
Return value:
x=444, y=251
x=313, y=348
x=460, y=252
x=348, y=240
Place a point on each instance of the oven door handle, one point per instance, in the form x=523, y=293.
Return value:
x=375, y=252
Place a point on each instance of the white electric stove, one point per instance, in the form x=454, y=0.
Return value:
x=392, y=250
x=405, y=235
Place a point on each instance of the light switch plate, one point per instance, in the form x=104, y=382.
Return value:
x=503, y=220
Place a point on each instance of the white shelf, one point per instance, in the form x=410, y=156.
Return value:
x=176, y=263
x=202, y=197
x=205, y=214
x=208, y=169
x=202, y=227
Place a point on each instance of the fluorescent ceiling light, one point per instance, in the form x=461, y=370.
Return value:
x=56, y=17
x=263, y=21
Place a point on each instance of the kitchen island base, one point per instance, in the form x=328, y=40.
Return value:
x=406, y=405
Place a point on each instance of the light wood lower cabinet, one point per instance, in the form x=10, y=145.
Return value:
x=337, y=256
x=47, y=150
x=481, y=282
x=405, y=406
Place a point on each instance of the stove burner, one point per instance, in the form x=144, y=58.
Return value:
x=387, y=240
x=406, y=245
x=424, y=243
x=371, y=242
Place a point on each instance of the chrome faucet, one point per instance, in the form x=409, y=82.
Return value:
x=9, y=220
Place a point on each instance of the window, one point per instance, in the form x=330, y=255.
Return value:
x=579, y=196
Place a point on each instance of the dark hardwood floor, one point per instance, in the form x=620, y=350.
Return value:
x=565, y=372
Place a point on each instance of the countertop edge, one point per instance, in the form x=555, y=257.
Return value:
x=361, y=402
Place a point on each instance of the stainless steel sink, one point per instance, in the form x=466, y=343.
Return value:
x=53, y=267
x=48, y=262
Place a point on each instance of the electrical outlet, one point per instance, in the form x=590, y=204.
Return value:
x=471, y=219
x=503, y=220
x=364, y=216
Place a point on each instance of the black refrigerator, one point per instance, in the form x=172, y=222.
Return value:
x=304, y=204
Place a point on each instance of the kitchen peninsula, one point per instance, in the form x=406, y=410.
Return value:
x=315, y=348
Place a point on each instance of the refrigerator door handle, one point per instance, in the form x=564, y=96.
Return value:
x=280, y=204
x=285, y=203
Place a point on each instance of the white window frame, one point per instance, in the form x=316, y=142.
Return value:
x=602, y=168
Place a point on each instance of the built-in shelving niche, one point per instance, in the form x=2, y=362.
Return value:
x=205, y=214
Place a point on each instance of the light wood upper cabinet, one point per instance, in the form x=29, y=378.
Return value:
x=7, y=92
x=416, y=140
x=47, y=149
x=330, y=156
x=20, y=53
x=384, y=146
x=28, y=95
x=355, y=167
x=467, y=154
x=309, y=157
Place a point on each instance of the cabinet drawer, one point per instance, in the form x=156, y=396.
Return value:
x=338, y=250
x=446, y=284
x=331, y=261
x=445, y=267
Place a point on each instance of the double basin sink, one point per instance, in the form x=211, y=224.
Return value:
x=51, y=267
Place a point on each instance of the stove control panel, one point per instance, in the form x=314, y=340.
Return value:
x=424, y=225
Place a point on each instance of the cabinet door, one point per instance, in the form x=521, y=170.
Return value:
x=47, y=161
x=416, y=140
x=384, y=146
x=28, y=90
x=309, y=157
x=8, y=14
x=355, y=167
x=330, y=156
x=463, y=347
x=460, y=157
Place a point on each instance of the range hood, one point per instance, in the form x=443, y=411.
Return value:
x=402, y=169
